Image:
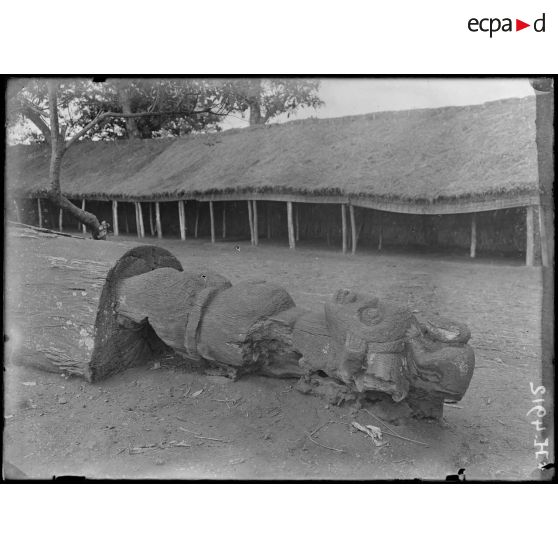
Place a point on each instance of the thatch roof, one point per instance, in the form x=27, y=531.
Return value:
x=428, y=154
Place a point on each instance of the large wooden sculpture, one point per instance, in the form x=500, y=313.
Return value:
x=364, y=346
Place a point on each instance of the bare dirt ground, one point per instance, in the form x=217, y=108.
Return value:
x=168, y=420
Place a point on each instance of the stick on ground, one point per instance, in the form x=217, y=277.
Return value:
x=323, y=445
x=392, y=432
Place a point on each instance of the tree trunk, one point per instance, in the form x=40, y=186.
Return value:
x=57, y=152
x=254, y=101
x=88, y=219
x=255, y=113
x=131, y=124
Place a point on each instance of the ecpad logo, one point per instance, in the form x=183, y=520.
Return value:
x=492, y=25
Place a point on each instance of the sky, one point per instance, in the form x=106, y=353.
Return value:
x=349, y=96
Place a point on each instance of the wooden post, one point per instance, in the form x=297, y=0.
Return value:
x=158, y=220
x=381, y=235
x=292, y=244
x=115, y=218
x=268, y=221
x=18, y=215
x=473, y=252
x=151, y=224
x=126, y=223
x=255, y=221
x=182, y=219
x=297, y=229
x=544, y=89
x=139, y=220
x=353, y=229
x=83, y=227
x=530, y=248
x=224, y=224
x=542, y=233
x=140, y=209
x=212, y=219
x=251, y=221
x=197, y=219
x=60, y=219
x=39, y=212
x=344, y=226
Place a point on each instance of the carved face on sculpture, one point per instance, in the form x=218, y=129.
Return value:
x=366, y=317
x=378, y=346
x=368, y=337
x=439, y=360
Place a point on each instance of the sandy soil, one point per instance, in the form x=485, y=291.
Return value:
x=167, y=420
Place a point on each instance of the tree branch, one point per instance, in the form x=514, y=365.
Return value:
x=110, y=114
x=33, y=107
x=39, y=122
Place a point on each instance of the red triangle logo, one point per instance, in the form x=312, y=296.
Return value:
x=519, y=25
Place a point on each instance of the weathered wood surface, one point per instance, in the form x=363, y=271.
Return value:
x=530, y=236
x=120, y=344
x=165, y=297
x=23, y=229
x=473, y=251
x=250, y=221
x=115, y=218
x=353, y=229
x=344, y=227
x=236, y=330
x=365, y=345
x=97, y=317
x=255, y=222
x=52, y=301
x=182, y=219
x=212, y=222
x=292, y=242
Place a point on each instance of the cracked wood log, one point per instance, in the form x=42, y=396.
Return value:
x=61, y=311
x=167, y=298
x=90, y=318
x=237, y=330
x=202, y=316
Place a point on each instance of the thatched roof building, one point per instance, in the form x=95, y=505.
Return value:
x=450, y=160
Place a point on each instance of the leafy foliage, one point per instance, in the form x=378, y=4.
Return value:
x=169, y=107
x=268, y=98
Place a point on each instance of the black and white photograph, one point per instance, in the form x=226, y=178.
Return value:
x=278, y=278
